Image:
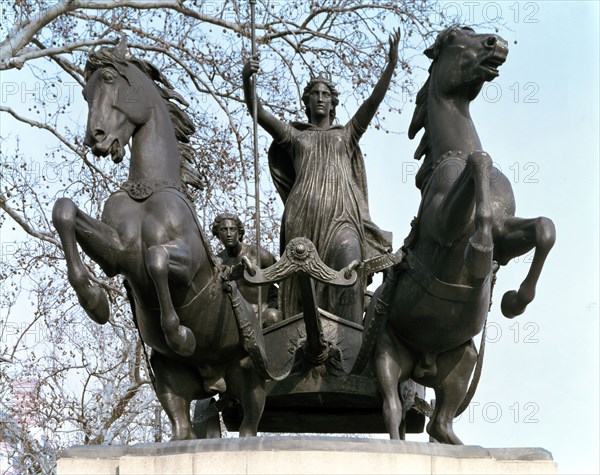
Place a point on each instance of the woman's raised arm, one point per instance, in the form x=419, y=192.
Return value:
x=267, y=121
x=367, y=110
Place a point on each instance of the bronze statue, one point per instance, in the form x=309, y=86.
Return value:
x=438, y=298
x=207, y=339
x=319, y=173
x=149, y=233
x=228, y=227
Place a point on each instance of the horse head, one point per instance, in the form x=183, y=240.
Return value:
x=463, y=60
x=114, y=91
x=124, y=93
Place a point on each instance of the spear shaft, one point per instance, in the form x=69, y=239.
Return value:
x=255, y=152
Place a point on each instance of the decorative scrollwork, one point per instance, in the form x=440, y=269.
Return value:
x=301, y=256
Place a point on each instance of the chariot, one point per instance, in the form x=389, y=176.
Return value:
x=324, y=381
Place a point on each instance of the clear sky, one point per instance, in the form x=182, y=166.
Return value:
x=539, y=122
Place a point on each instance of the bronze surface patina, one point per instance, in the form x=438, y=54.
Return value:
x=149, y=233
x=438, y=299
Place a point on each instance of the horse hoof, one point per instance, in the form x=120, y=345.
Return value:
x=187, y=435
x=95, y=304
x=184, y=344
x=443, y=435
x=510, y=305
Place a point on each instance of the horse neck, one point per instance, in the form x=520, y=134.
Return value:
x=450, y=123
x=154, y=153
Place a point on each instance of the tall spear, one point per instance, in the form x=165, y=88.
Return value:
x=255, y=152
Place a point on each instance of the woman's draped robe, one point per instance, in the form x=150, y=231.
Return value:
x=320, y=176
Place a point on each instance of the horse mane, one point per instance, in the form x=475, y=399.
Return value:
x=420, y=119
x=182, y=123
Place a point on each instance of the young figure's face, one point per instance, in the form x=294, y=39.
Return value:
x=319, y=102
x=228, y=233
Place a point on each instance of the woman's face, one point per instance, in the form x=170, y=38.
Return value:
x=319, y=102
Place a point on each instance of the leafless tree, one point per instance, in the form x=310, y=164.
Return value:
x=90, y=384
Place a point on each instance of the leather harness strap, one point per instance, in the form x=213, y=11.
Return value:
x=440, y=289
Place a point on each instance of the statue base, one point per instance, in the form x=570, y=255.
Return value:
x=301, y=455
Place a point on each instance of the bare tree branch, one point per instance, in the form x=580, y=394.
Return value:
x=42, y=235
x=12, y=54
x=63, y=140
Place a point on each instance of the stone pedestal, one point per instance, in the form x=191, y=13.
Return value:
x=301, y=455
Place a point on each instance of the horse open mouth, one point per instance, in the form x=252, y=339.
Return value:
x=492, y=64
x=116, y=151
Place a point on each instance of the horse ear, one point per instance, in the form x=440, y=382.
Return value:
x=430, y=52
x=121, y=49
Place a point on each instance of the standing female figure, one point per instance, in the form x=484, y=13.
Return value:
x=319, y=173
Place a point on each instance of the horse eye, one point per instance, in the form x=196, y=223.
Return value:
x=108, y=75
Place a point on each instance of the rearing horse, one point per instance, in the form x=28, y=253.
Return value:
x=464, y=230
x=149, y=233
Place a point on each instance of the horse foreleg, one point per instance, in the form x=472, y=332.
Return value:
x=479, y=250
x=521, y=235
x=176, y=386
x=456, y=208
x=245, y=385
x=450, y=385
x=98, y=240
x=469, y=191
x=160, y=265
x=393, y=364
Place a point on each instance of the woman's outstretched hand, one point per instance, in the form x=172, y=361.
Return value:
x=394, y=42
x=251, y=67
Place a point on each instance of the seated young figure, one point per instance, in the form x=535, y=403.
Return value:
x=230, y=230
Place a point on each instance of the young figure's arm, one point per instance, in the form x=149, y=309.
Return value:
x=266, y=260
